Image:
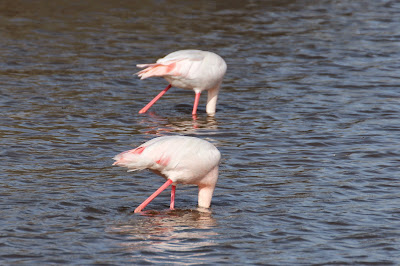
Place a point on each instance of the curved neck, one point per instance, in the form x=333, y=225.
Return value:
x=206, y=189
x=205, y=196
x=212, y=100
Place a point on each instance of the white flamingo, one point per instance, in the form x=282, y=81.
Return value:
x=188, y=69
x=180, y=160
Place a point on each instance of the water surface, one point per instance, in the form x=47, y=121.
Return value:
x=307, y=123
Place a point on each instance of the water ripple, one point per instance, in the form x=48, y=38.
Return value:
x=307, y=124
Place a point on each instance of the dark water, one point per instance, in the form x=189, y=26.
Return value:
x=307, y=122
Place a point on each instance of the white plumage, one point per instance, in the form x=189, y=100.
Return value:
x=180, y=160
x=188, y=69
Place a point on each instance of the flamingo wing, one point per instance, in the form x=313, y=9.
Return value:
x=180, y=63
x=175, y=157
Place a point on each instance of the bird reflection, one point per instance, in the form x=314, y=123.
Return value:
x=154, y=124
x=167, y=231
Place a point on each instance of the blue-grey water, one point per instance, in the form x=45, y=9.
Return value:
x=308, y=124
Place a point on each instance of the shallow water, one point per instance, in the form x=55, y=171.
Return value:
x=307, y=123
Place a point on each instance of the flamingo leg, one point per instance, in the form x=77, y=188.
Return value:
x=155, y=194
x=147, y=107
x=196, y=102
x=172, y=206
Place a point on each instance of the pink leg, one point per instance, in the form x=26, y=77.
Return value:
x=155, y=194
x=147, y=107
x=172, y=206
x=196, y=102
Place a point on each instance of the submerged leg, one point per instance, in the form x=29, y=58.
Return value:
x=196, y=102
x=172, y=206
x=147, y=107
x=155, y=194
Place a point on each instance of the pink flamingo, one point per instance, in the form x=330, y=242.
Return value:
x=180, y=160
x=188, y=69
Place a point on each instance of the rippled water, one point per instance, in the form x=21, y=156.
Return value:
x=307, y=123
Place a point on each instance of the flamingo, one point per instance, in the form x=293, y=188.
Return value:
x=188, y=69
x=180, y=160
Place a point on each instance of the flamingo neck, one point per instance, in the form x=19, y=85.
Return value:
x=205, y=196
x=212, y=100
x=206, y=188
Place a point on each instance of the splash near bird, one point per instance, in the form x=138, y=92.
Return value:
x=180, y=160
x=191, y=70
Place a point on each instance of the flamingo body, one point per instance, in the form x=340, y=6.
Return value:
x=180, y=160
x=189, y=69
